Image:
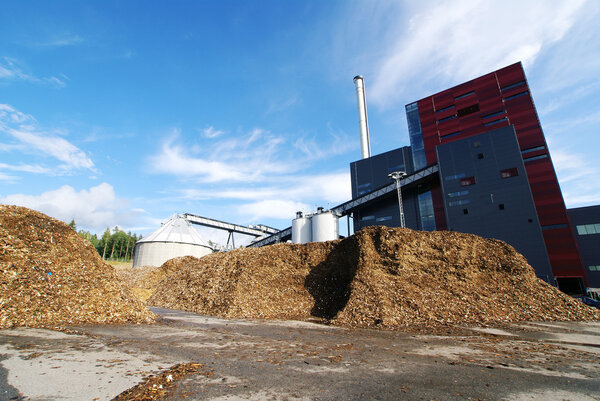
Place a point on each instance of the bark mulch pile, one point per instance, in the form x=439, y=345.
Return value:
x=51, y=277
x=380, y=277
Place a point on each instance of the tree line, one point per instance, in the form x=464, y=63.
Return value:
x=114, y=244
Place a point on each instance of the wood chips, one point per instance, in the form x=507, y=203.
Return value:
x=380, y=277
x=50, y=276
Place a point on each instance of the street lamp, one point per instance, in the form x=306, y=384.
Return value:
x=397, y=176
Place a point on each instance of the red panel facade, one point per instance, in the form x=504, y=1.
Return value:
x=492, y=101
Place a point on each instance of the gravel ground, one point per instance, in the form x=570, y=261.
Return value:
x=289, y=360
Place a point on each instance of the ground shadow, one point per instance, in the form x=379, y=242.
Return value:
x=329, y=281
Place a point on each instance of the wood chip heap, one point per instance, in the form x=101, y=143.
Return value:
x=50, y=276
x=380, y=277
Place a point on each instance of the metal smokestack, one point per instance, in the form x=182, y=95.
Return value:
x=363, y=121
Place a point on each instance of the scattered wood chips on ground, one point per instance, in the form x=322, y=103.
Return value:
x=380, y=277
x=157, y=387
x=50, y=276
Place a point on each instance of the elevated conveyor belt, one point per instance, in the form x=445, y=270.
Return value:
x=348, y=207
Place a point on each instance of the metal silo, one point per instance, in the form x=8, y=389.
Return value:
x=301, y=229
x=176, y=237
x=324, y=226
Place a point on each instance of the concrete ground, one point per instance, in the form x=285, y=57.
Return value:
x=266, y=360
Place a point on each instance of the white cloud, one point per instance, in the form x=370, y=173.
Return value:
x=211, y=132
x=449, y=42
x=30, y=138
x=95, y=209
x=28, y=168
x=11, y=71
x=578, y=178
x=272, y=209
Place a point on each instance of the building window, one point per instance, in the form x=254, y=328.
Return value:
x=501, y=206
x=454, y=177
x=465, y=182
x=535, y=158
x=367, y=218
x=532, y=149
x=493, y=114
x=586, y=229
x=480, y=156
x=594, y=268
x=495, y=122
x=426, y=213
x=458, y=193
x=445, y=108
x=459, y=202
x=465, y=211
x=516, y=96
x=468, y=110
x=385, y=218
x=509, y=172
x=554, y=226
x=507, y=87
x=464, y=95
x=447, y=118
x=451, y=135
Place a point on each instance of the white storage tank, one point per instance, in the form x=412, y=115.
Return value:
x=301, y=229
x=324, y=226
x=174, y=238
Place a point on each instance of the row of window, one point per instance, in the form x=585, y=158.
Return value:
x=467, y=181
x=475, y=108
x=466, y=211
x=594, y=268
x=586, y=229
x=503, y=89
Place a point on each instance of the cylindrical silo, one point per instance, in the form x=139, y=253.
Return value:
x=174, y=238
x=324, y=227
x=301, y=229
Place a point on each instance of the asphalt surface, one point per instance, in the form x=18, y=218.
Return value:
x=287, y=360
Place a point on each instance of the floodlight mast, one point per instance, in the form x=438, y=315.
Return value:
x=398, y=176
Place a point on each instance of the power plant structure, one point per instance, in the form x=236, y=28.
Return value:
x=477, y=163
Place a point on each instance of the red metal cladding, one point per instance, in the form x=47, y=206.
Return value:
x=494, y=100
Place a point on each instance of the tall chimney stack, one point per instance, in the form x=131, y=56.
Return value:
x=363, y=121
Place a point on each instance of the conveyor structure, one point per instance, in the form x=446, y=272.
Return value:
x=347, y=208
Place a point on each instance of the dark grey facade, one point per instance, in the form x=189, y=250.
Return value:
x=586, y=224
x=486, y=192
x=370, y=174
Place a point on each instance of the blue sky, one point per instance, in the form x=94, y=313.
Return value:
x=124, y=113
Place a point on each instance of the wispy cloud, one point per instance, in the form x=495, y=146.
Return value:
x=446, y=43
x=96, y=208
x=211, y=132
x=28, y=137
x=61, y=40
x=278, y=106
x=10, y=70
x=260, y=173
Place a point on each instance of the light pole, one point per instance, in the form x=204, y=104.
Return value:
x=397, y=176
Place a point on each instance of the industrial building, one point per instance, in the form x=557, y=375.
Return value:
x=495, y=176
x=586, y=225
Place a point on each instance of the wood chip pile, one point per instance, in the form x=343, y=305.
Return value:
x=380, y=277
x=50, y=276
x=141, y=280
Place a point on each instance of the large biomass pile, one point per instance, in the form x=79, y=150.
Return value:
x=50, y=276
x=379, y=277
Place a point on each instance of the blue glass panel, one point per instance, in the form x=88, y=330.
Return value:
x=426, y=214
x=416, y=136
